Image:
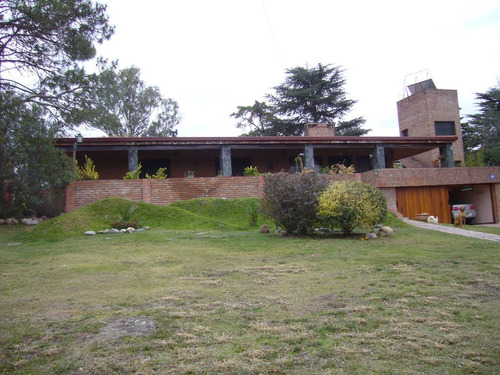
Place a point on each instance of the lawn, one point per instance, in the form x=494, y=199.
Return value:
x=234, y=301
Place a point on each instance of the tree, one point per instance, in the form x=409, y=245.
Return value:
x=121, y=104
x=308, y=95
x=41, y=45
x=28, y=159
x=482, y=133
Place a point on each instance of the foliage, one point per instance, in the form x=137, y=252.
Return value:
x=291, y=200
x=121, y=104
x=87, y=172
x=351, y=204
x=308, y=95
x=28, y=159
x=45, y=41
x=483, y=129
x=125, y=217
x=338, y=168
x=160, y=174
x=475, y=159
x=133, y=175
x=253, y=212
x=251, y=171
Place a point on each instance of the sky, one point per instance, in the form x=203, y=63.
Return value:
x=213, y=56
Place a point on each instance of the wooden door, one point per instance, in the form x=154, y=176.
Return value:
x=433, y=200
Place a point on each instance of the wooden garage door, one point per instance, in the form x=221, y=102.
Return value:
x=417, y=200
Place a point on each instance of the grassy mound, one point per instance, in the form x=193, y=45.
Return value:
x=196, y=214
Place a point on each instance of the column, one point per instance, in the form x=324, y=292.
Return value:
x=309, y=157
x=133, y=158
x=448, y=160
x=378, y=157
x=225, y=161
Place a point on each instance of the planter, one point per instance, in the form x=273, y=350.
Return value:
x=421, y=217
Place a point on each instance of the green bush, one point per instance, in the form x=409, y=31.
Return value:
x=351, y=204
x=253, y=213
x=87, y=172
x=160, y=174
x=251, y=171
x=291, y=200
x=133, y=175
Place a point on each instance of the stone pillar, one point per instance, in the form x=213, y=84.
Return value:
x=448, y=160
x=378, y=157
x=225, y=161
x=133, y=158
x=309, y=157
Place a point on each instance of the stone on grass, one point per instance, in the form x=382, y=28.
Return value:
x=130, y=229
x=385, y=231
x=11, y=221
x=140, y=230
x=123, y=231
x=113, y=231
x=105, y=231
x=31, y=222
x=371, y=236
x=2, y=221
x=264, y=229
x=89, y=233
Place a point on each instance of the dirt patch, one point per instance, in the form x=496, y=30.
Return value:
x=140, y=326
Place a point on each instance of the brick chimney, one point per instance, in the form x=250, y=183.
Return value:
x=320, y=130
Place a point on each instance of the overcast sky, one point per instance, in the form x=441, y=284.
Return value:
x=212, y=56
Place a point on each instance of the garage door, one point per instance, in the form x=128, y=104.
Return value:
x=417, y=200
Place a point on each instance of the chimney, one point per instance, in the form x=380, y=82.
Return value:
x=320, y=130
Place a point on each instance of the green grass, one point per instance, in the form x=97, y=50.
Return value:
x=234, y=301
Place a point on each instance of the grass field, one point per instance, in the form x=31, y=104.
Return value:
x=220, y=298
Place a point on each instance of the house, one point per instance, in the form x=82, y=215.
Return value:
x=404, y=168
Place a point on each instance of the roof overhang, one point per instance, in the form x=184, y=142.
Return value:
x=398, y=147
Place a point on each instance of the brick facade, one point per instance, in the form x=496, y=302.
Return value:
x=417, y=115
x=82, y=193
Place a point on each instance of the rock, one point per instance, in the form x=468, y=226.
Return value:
x=146, y=228
x=433, y=220
x=105, y=231
x=140, y=230
x=89, y=233
x=11, y=221
x=113, y=231
x=371, y=236
x=31, y=222
x=123, y=231
x=130, y=229
x=280, y=233
x=385, y=231
x=24, y=220
x=264, y=229
x=2, y=221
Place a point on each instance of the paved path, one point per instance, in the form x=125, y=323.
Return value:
x=454, y=230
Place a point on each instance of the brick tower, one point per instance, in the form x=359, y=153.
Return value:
x=429, y=112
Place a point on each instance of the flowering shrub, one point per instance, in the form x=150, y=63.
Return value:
x=351, y=204
x=87, y=172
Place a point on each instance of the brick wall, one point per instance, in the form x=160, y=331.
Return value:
x=82, y=193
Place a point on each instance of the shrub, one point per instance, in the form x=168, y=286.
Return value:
x=351, y=204
x=133, y=175
x=125, y=219
x=87, y=172
x=250, y=171
x=160, y=174
x=291, y=200
x=253, y=213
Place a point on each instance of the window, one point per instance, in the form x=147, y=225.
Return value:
x=445, y=127
x=238, y=166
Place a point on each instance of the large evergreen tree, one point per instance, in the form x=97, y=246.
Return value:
x=482, y=132
x=121, y=104
x=308, y=95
